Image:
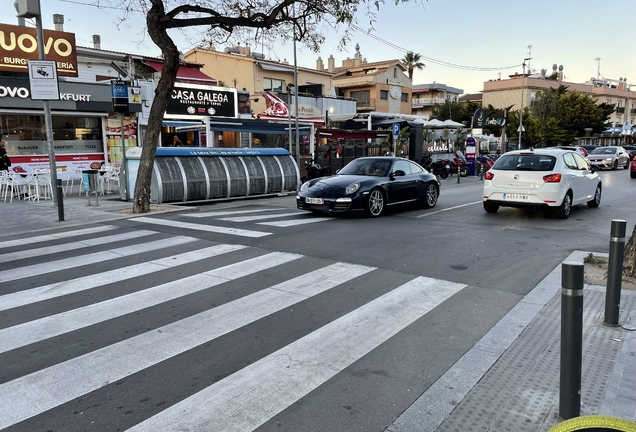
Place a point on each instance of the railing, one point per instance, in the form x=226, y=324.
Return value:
x=365, y=103
x=428, y=101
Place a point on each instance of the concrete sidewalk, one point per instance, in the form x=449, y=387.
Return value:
x=509, y=381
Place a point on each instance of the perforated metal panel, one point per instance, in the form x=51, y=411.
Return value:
x=274, y=176
x=217, y=175
x=238, y=179
x=256, y=175
x=196, y=183
x=289, y=171
x=171, y=179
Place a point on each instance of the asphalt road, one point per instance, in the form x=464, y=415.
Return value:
x=252, y=315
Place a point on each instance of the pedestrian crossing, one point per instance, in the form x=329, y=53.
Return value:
x=179, y=297
x=262, y=219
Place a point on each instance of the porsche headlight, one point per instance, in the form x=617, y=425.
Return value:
x=352, y=188
x=304, y=186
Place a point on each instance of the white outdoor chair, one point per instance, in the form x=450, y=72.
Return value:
x=75, y=175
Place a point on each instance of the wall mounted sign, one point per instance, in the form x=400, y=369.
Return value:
x=19, y=44
x=202, y=101
x=43, y=80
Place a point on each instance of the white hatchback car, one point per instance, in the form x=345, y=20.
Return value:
x=549, y=178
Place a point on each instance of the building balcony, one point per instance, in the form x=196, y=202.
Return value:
x=365, y=104
x=428, y=101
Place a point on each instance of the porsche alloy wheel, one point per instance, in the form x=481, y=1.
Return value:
x=431, y=195
x=375, y=203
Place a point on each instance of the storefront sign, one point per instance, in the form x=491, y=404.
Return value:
x=305, y=111
x=19, y=44
x=202, y=101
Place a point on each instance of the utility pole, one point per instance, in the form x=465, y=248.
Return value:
x=598, y=67
x=523, y=77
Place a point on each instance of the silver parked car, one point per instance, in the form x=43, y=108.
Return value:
x=609, y=157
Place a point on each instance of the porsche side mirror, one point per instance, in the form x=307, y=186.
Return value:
x=398, y=173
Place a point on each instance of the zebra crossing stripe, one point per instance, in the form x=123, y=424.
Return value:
x=207, y=228
x=54, y=325
x=261, y=217
x=225, y=213
x=48, y=250
x=40, y=391
x=250, y=397
x=79, y=261
x=289, y=223
x=33, y=295
x=48, y=237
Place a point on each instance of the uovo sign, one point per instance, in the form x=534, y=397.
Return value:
x=19, y=44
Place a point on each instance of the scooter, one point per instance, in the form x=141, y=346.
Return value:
x=458, y=165
x=440, y=168
x=314, y=170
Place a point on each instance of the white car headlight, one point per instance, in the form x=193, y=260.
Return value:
x=608, y=159
x=352, y=188
x=304, y=186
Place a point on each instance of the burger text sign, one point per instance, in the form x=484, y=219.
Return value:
x=191, y=100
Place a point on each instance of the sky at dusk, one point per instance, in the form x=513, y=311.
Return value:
x=457, y=38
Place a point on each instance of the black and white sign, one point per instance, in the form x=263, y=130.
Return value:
x=193, y=100
x=43, y=80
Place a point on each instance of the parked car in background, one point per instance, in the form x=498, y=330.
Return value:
x=370, y=184
x=631, y=149
x=549, y=178
x=588, y=147
x=579, y=149
x=609, y=157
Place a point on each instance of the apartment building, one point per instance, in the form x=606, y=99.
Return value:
x=504, y=93
x=379, y=86
x=425, y=96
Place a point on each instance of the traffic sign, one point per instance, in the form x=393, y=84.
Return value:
x=43, y=80
x=396, y=129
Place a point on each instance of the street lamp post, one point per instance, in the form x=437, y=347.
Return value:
x=523, y=77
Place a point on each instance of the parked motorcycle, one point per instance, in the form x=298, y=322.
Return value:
x=314, y=170
x=459, y=165
x=439, y=168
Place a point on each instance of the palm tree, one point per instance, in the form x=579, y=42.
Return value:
x=413, y=61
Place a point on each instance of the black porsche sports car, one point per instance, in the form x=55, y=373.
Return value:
x=370, y=184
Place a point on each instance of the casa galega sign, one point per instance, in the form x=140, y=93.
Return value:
x=193, y=100
x=19, y=44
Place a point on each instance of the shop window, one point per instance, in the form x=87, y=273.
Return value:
x=26, y=134
x=384, y=94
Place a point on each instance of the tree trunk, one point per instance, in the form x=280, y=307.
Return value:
x=629, y=266
x=159, y=35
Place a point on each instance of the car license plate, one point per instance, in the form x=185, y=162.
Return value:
x=314, y=200
x=516, y=197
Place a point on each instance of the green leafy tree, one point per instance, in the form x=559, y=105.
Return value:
x=223, y=21
x=412, y=61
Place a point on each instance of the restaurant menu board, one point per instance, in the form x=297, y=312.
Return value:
x=113, y=134
x=65, y=164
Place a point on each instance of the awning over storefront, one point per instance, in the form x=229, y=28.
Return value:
x=276, y=68
x=258, y=126
x=351, y=134
x=176, y=123
x=186, y=73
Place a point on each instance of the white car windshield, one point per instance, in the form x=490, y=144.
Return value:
x=521, y=162
x=368, y=167
x=604, y=150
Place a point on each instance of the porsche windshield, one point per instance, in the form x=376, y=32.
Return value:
x=367, y=167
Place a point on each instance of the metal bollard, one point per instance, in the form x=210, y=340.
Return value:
x=60, y=200
x=571, y=340
x=615, y=272
x=458, y=174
